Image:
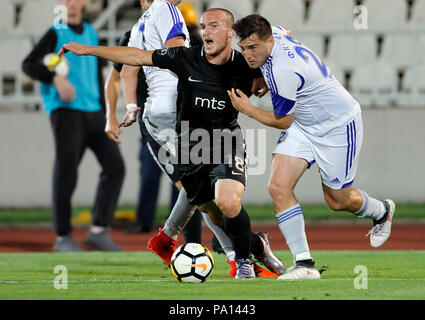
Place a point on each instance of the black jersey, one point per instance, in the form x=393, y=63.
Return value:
x=203, y=98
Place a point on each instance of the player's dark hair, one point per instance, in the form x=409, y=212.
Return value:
x=253, y=24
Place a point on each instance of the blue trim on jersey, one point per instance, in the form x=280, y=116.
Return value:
x=347, y=184
x=177, y=30
x=348, y=150
x=355, y=137
x=302, y=81
x=351, y=146
x=174, y=14
x=272, y=77
x=281, y=105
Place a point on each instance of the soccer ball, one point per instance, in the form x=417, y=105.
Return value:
x=55, y=64
x=192, y=262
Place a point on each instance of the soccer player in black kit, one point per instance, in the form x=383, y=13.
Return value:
x=205, y=74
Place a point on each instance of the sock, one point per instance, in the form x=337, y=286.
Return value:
x=291, y=224
x=257, y=247
x=239, y=231
x=371, y=208
x=179, y=216
x=226, y=243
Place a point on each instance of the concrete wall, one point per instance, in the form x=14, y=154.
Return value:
x=390, y=165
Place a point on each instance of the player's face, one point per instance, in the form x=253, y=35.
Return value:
x=74, y=7
x=255, y=50
x=145, y=4
x=216, y=32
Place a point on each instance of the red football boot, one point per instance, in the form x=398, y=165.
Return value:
x=163, y=246
x=232, y=271
x=263, y=273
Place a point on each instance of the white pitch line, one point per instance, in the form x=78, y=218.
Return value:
x=172, y=280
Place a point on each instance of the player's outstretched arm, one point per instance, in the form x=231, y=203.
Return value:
x=124, y=55
x=241, y=103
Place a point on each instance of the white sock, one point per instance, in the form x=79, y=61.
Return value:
x=371, y=208
x=224, y=240
x=291, y=224
x=179, y=216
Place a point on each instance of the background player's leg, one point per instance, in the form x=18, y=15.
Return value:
x=193, y=230
x=109, y=186
x=150, y=175
x=180, y=215
x=224, y=240
x=69, y=147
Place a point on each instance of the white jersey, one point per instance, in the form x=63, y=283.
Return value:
x=300, y=83
x=161, y=22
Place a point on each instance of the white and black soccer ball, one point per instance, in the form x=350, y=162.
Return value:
x=192, y=262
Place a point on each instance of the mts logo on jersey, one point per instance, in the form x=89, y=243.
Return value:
x=213, y=103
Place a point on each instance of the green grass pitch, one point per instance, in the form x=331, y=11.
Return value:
x=141, y=276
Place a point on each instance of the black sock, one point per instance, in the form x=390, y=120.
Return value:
x=385, y=216
x=257, y=247
x=305, y=263
x=238, y=229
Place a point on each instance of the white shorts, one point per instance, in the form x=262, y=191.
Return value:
x=162, y=128
x=336, y=153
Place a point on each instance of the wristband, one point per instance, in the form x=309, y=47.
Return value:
x=131, y=106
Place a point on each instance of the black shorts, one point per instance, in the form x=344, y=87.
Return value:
x=172, y=171
x=199, y=185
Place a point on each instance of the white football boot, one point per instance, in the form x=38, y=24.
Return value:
x=300, y=271
x=381, y=231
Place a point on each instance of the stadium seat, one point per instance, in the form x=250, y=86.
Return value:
x=349, y=51
x=391, y=14
x=13, y=53
x=7, y=21
x=288, y=13
x=93, y=6
x=239, y=8
x=313, y=42
x=341, y=17
x=414, y=78
x=399, y=50
x=375, y=84
x=417, y=18
x=37, y=16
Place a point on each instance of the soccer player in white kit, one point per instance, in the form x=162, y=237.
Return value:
x=321, y=124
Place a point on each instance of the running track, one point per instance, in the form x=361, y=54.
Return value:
x=320, y=237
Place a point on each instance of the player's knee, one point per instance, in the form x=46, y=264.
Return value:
x=229, y=205
x=335, y=204
x=278, y=190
